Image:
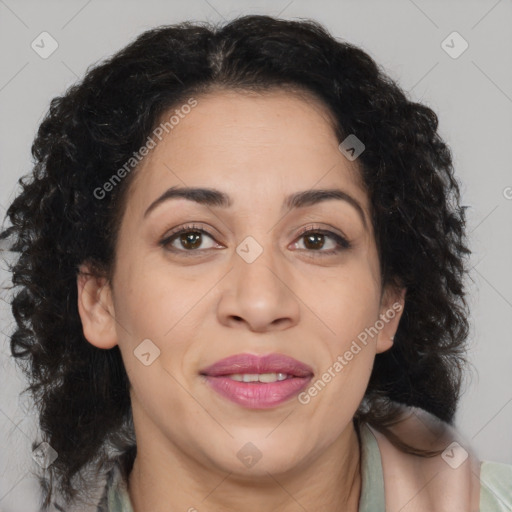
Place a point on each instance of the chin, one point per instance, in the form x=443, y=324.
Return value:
x=262, y=456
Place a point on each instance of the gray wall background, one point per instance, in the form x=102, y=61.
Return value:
x=472, y=95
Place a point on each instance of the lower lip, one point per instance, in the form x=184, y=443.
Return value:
x=258, y=395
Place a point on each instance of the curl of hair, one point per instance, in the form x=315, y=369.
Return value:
x=57, y=222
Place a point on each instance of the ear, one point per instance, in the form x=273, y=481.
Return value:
x=392, y=306
x=96, y=308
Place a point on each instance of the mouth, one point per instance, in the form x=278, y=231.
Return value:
x=258, y=382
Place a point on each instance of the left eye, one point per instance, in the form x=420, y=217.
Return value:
x=316, y=236
x=314, y=239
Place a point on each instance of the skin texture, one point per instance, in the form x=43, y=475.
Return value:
x=198, y=309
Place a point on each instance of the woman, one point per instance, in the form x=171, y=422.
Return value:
x=240, y=283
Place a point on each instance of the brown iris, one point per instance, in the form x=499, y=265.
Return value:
x=193, y=238
x=315, y=239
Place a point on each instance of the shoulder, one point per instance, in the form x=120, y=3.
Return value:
x=115, y=495
x=451, y=474
x=496, y=487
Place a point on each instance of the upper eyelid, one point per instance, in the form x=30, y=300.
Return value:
x=206, y=230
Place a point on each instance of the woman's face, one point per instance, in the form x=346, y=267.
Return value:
x=253, y=285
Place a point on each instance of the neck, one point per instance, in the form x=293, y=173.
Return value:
x=168, y=480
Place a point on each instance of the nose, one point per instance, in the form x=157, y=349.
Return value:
x=258, y=293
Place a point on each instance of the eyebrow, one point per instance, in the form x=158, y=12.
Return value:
x=216, y=198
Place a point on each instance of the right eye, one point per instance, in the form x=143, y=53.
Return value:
x=189, y=237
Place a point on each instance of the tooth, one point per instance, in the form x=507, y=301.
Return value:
x=255, y=377
x=268, y=377
x=250, y=377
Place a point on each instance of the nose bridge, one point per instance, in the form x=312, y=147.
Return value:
x=257, y=291
x=257, y=264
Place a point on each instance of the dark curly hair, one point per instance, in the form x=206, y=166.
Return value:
x=57, y=221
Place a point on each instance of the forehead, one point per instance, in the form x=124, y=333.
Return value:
x=256, y=145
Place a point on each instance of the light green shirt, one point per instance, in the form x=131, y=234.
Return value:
x=495, y=489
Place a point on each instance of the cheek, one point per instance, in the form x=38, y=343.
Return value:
x=335, y=393
x=154, y=336
x=151, y=298
x=156, y=314
x=345, y=303
x=348, y=307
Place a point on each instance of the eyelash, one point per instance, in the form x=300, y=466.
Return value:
x=342, y=243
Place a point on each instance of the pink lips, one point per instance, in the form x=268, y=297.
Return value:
x=258, y=395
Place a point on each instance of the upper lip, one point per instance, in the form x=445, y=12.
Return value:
x=253, y=364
